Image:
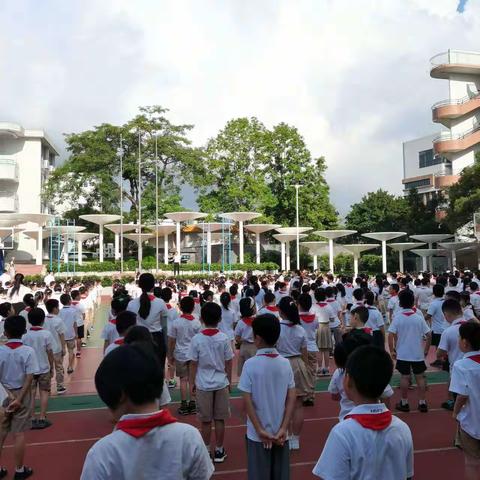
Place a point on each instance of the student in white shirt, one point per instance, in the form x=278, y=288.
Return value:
x=229, y=317
x=147, y=442
x=211, y=371
x=475, y=298
x=55, y=325
x=326, y=319
x=468, y=312
x=465, y=383
x=70, y=317
x=268, y=387
x=269, y=305
x=41, y=341
x=369, y=431
x=375, y=320
x=244, y=332
x=392, y=305
x=18, y=290
x=124, y=322
x=80, y=307
x=435, y=317
x=424, y=295
x=406, y=334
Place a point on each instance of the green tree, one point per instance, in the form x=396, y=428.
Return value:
x=91, y=174
x=464, y=196
x=422, y=215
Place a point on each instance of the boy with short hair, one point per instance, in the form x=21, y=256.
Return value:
x=375, y=320
x=269, y=393
x=109, y=332
x=269, y=305
x=370, y=442
x=124, y=321
x=180, y=335
x=406, y=334
x=81, y=310
x=211, y=372
x=435, y=318
x=18, y=363
x=69, y=316
x=53, y=323
x=358, y=321
x=147, y=442
x=41, y=341
x=393, y=304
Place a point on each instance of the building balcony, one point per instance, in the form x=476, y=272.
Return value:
x=430, y=183
x=8, y=170
x=455, y=62
x=445, y=111
x=8, y=202
x=447, y=143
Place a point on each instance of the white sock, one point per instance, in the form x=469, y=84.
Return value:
x=219, y=449
x=404, y=401
x=422, y=402
x=21, y=469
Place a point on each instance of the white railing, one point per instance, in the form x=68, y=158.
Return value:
x=461, y=57
x=448, y=135
x=8, y=201
x=458, y=101
x=8, y=169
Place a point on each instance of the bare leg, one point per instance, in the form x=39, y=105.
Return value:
x=472, y=467
x=404, y=383
x=422, y=386
x=183, y=389
x=219, y=433
x=326, y=359
x=297, y=419
x=19, y=449
x=43, y=403
x=207, y=432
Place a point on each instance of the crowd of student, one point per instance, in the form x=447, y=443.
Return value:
x=285, y=330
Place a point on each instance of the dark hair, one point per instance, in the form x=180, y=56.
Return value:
x=452, y=306
x=465, y=296
x=146, y=282
x=438, y=290
x=267, y=327
x=39, y=296
x=118, y=305
x=370, y=298
x=29, y=300
x=166, y=294
x=395, y=287
x=305, y=301
x=133, y=371
x=473, y=286
x=469, y=331
x=36, y=316
x=157, y=292
x=269, y=297
x=51, y=304
x=211, y=314
x=138, y=333
x=247, y=307
x=75, y=294
x=187, y=304
x=349, y=343
x=341, y=288
x=362, y=313
x=5, y=309
x=125, y=320
x=17, y=282
x=233, y=290
x=15, y=326
x=225, y=300
x=65, y=299
x=371, y=369
x=358, y=294
x=452, y=294
x=289, y=309
x=406, y=298
x=320, y=295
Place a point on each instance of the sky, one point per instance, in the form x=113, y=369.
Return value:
x=352, y=76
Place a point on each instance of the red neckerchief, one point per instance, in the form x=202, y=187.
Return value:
x=75, y=302
x=408, y=314
x=322, y=304
x=475, y=358
x=307, y=317
x=169, y=307
x=14, y=345
x=119, y=341
x=270, y=354
x=210, y=332
x=248, y=320
x=196, y=300
x=113, y=321
x=138, y=427
x=394, y=294
x=367, y=330
x=187, y=316
x=375, y=421
x=27, y=309
x=348, y=285
x=233, y=297
x=36, y=329
x=271, y=308
x=152, y=297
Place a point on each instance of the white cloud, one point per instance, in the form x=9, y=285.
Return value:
x=352, y=76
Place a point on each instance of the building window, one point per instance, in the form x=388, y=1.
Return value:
x=426, y=158
x=424, y=182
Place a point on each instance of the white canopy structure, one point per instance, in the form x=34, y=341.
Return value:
x=427, y=253
x=163, y=230
x=258, y=229
x=453, y=247
x=178, y=218
x=356, y=249
x=331, y=235
x=285, y=239
x=80, y=237
x=402, y=247
x=297, y=231
x=315, y=249
x=241, y=218
x=383, y=237
x=100, y=219
x=431, y=238
x=117, y=229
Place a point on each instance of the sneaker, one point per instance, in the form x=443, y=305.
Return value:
x=308, y=402
x=448, y=405
x=27, y=472
x=422, y=407
x=294, y=443
x=183, y=410
x=219, y=456
x=61, y=390
x=3, y=472
x=325, y=372
x=402, y=408
x=34, y=424
x=84, y=344
x=192, y=407
x=172, y=383
x=69, y=370
x=43, y=423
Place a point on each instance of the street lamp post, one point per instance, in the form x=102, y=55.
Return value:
x=297, y=188
x=120, y=154
x=139, y=204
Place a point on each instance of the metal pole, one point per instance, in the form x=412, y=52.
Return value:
x=139, y=205
x=297, y=187
x=121, y=203
x=156, y=202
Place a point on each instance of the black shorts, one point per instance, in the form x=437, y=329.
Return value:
x=405, y=367
x=81, y=331
x=436, y=339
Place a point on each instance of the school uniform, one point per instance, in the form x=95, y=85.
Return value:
x=56, y=327
x=468, y=313
x=148, y=446
x=424, y=297
x=475, y=301
x=269, y=309
x=439, y=324
x=69, y=316
x=267, y=377
x=109, y=332
x=465, y=380
x=16, y=362
x=248, y=349
x=392, y=304
x=370, y=444
x=375, y=322
x=226, y=323
x=115, y=344
x=410, y=328
x=326, y=318
x=183, y=329
x=210, y=349
x=449, y=341
x=80, y=307
x=309, y=322
x=279, y=294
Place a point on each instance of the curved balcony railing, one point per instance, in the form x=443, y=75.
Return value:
x=458, y=101
x=443, y=136
x=448, y=143
x=459, y=57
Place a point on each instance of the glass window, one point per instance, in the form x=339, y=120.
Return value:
x=426, y=158
x=424, y=182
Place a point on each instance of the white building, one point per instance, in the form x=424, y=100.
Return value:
x=26, y=159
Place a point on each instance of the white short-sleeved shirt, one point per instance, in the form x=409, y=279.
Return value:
x=439, y=324
x=410, y=328
x=109, y=332
x=244, y=331
x=349, y=292
x=449, y=341
x=465, y=380
x=56, y=327
x=183, y=329
x=335, y=306
x=324, y=313
x=41, y=341
x=70, y=316
x=424, y=297
x=309, y=322
x=375, y=319
x=18, y=296
x=279, y=294
x=16, y=363
x=172, y=452
x=346, y=405
x=115, y=344
x=226, y=324
x=24, y=314
x=393, y=304
x=172, y=314
x=475, y=300
x=468, y=313
x=267, y=377
x=158, y=310
x=354, y=452
x=292, y=339
x=80, y=307
x=271, y=309
x=210, y=352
